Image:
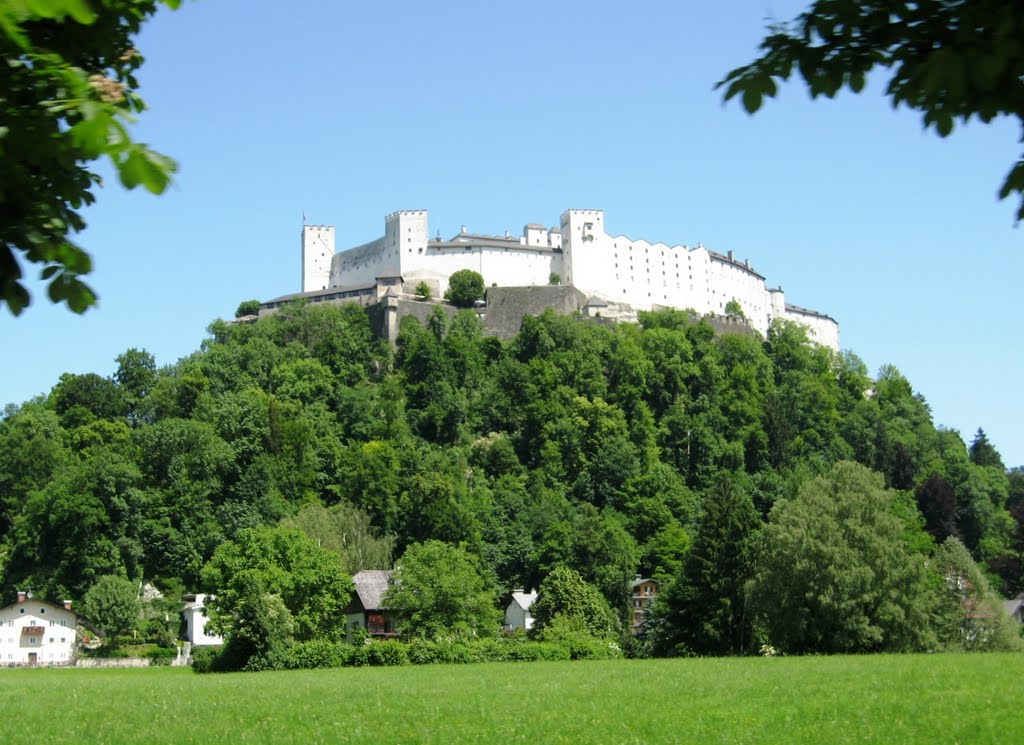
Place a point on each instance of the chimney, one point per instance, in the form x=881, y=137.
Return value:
x=730, y=256
x=21, y=596
x=464, y=231
x=639, y=577
x=67, y=605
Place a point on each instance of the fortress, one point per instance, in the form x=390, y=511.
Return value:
x=612, y=276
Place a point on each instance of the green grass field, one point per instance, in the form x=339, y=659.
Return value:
x=892, y=699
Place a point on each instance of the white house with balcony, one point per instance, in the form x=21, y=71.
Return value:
x=36, y=632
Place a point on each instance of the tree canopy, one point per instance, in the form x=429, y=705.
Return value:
x=834, y=573
x=565, y=595
x=465, y=287
x=69, y=97
x=950, y=60
x=112, y=604
x=283, y=562
x=286, y=454
x=437, y=591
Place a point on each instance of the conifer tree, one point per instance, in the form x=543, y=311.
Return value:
x=702, y=612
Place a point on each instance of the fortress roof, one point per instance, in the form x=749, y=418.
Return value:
x=807, y=312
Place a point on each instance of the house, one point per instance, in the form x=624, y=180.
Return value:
x=37, y=632
x=1015, y=608
x=366, y=609
x=195, y=621
x=517, y=614
x=644, y=590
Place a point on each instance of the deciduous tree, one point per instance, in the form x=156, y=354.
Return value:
x=833, y=573
x=112, y=604
x=465, y=287
x=68, y=81
x=438, y=591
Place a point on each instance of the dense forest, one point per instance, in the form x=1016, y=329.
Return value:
x=779, y=493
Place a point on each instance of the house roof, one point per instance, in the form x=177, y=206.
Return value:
x=27, y=602
x=1014, y=606
x=371, y=584
x=524, y=599
x=641, y=580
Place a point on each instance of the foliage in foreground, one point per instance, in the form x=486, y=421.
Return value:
x=69, y=91
x=949, y=60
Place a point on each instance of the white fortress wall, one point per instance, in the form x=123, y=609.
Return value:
x=820, y=328
x=733, y=280
x=405, y=232
x=317, y=253
x=581, y=252
x=511, y=266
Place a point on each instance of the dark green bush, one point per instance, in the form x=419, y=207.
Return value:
x=204, y=659
x=315, y=654
x=388, y=653
x=161, y=655
x=357, y=655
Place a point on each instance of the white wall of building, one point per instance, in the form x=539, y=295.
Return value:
x=583, y=254
x=195, y=622
x=317, y=253
x=34, y=632
x=515, y=266
x=518, y=612
x=820, y=329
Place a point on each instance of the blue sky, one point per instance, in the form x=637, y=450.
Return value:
x=493, y=115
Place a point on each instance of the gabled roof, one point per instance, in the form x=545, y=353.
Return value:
x=641, y=580
x=371, y=584
x=28, y=602
x=524, y=599
x=1014, y=606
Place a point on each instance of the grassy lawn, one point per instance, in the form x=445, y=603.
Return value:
x=892, y=699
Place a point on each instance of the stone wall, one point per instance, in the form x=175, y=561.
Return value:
x=506, y=306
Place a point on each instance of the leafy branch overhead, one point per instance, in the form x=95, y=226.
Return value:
x=68, y=77
x=949, y=59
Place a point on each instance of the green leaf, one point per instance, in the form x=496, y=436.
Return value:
x=751, y=100
x=146, y=167
x=80, y=11
x=91, y=134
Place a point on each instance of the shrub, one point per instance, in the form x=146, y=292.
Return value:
x=318, y=653
x=387, y=653
x=421, y=652
x=357, y=655
x=423, y=291
x=161, y=655
x=204, y=659
x=248, y=308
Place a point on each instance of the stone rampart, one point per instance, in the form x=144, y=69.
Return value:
x=506, y=306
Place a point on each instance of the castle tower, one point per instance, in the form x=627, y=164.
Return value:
x=406, y=235
x=317, y=252
x=583, y=244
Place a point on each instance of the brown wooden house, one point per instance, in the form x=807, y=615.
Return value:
x=366, y=609
x=644, y=590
